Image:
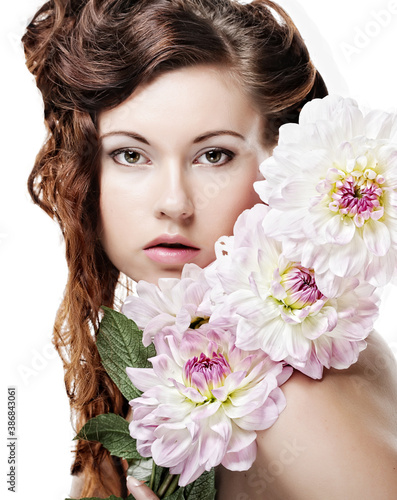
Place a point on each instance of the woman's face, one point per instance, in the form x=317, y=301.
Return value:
x=179, y=158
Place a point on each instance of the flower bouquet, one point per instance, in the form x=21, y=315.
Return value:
x=202, y=358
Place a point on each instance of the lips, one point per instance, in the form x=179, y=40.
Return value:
x=171, y=249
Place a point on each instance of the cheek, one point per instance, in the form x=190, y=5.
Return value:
x=235, y=203
x=115, y=217
x=222, y=201
x=110, y=223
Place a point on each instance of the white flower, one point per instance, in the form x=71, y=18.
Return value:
x=203, y=400
x=279, y=308
x=332, y=188
x=178, y=302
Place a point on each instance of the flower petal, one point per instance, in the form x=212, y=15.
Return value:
x=142, y=378
x=376, y=236
x=339, y=230
x=242, y=459
x=264, y=416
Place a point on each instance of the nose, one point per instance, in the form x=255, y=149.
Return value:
x=175, y=194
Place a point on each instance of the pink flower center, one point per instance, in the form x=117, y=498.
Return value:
x=358, y=197
x=206, y=373
x=300, y=286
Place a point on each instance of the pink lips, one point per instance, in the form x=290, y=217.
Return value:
x=171, y=249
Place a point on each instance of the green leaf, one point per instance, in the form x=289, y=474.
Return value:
x=119, y=343
x=203, y=488
x=141, y=469
x=112, y=431
x=177, y=495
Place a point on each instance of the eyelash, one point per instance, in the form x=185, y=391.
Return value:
x=118, y=152
x=227, y=153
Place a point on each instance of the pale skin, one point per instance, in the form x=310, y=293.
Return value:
x=337, y=438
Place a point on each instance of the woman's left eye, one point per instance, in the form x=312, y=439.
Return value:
x=215, y=157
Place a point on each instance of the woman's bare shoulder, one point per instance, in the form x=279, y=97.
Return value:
x=367, y=390
x=342, y=427
x=336, y=438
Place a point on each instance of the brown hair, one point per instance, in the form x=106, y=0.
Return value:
x=90, y=55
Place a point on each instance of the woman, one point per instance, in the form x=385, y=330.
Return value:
x=159, y=113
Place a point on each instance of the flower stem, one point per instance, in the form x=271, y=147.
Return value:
x=164, y=487
x=152, y=476
x=173, y=486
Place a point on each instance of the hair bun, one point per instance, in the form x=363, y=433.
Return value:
x=45, y=35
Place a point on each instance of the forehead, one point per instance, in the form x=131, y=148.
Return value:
x=193, y=98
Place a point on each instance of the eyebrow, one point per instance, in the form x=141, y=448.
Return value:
x=133, y=135
x=200, y=138
x=215, y=134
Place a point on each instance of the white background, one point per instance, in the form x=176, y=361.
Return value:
x=353, y=48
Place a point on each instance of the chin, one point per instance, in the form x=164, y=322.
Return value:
x=168, y=274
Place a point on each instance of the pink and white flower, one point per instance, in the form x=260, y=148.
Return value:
x=332, y=188
x=279, y=307
x=202, y=402
x=174, y=301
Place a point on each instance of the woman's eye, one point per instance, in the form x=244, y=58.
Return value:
x=129, y=157
x=215, y=157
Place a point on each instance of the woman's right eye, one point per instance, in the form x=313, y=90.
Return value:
x=128, y=157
